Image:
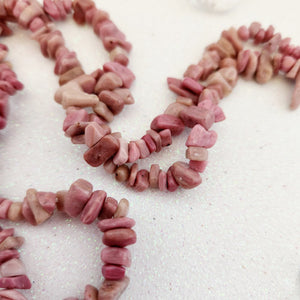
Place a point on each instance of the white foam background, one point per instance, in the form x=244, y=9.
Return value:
x=234, y=237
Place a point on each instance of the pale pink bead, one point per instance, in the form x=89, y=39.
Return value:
x=90, y=293
x=108, y=81
x=196, y=153
x=13, y=267
x=17, y=282
x=108, y=209
x=242, y=60
x=4, y=207
x=51, y=9
x=27, y=212
x=153, y=175
x=210, y=62
x=40, y=215
x=112, y=289
x=47, y=201
x=287, y=63
x=126, y=95
x=199, y=137
x=294, y=70
x=251, y=66
x=162, y=181
x=193, y=115
x=116, y=256
x=6, y=255
x=230, y=75
x=78, y=195
x=175, y=85
x=6, y=233
x=11, y=295
x=217, y=110
x=192, y=85
x=198, y=166
x=113, y=101
x=259, y=37
x=142, y=180
x=93, y=134
x=185, y=176
x=164, y=121
x=273, y=43
x=264, y=70
x=93, y=207
x=276, y=62
x=194, y=71
x=109, y=166
x=174, y=109
x=133, y=174
x=119, y=237
x=232, y=36
x=211, y=94
x=269, y=33
x=133, y=152
x=29, y=13
x=103, y=111
x=254, y=28
x=108, y=224
x=243, y=33
x=121, y=156
x=113, y=272
x=123, y=209
x=123, y=72
x=156, y=138
x=144, y=151
x=284, y=43
x=166, y=137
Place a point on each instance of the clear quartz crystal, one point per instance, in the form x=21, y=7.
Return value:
x=215, y=5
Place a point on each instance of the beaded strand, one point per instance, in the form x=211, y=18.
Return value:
x=79, y=200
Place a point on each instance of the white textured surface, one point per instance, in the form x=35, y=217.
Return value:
x=234, y=237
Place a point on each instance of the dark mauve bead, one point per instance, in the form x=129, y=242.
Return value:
x=120, y=237
x=165, y=121
x=171, y=182
x=142, y=180
x=185, y=176
x=17, y=282
x=194, y=115
x=107, y=147
x=108, y=209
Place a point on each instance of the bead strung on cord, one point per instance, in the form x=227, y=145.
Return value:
x=79, y=200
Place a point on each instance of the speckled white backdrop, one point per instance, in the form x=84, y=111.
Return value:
x=234, y=237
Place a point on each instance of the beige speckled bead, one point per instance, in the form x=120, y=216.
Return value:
x=40, y=215
x=109, y=166
x=79, y=99
x=15, y=212
x=184, y=100
x=196, y=153
x=174, y=109
x=123, y=208
x=70, y=75
x=103, y=111
x=122, y=173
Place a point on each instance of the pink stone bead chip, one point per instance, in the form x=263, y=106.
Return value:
x=79, y=200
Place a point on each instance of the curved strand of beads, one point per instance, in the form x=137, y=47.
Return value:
x=79, y=200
